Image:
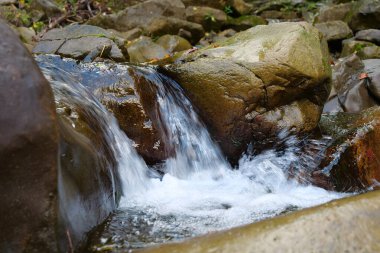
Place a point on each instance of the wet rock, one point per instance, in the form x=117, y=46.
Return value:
x=244, y=22
x=366, y=15
x=370, y=35
x=79, y=41
x=173, y=43
x=350, y=162
x=28, y=152
x=125, y=92
x=244, y=85
x=145, y=50
x=209, y=18
x=334, y=30
x=351, y=80
x=337, y=226
x=335, y=12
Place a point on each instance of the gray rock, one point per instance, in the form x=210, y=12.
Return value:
x=370, y=35
x=78, y=41
x=7, y=2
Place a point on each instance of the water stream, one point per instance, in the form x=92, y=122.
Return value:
x=199, y=192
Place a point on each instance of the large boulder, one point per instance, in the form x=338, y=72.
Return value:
x=334, y=30
x=346, y=225
x=256, y=83
x=28, y=152
x=335, y=12
x=81, y=41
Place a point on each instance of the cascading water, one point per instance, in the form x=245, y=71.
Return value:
x=199, y=191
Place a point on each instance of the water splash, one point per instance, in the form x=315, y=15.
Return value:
x=199, y=192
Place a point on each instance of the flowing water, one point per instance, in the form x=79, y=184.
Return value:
x=199, y=191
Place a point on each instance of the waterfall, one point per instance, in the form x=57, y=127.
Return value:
x=199, y=191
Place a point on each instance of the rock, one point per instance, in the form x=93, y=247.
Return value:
x=165, y=25
x=27, y=35
x=217, y=4
x=335, y=12
x=244, y=22
x=46, y=6
x=145, y=50
x=28, y=152
x=140, y=15
x=337, y=226
x=351, y=46
x=370, y=35
x=125, y=92
x=350, y=163
x=79, y=41
x=272, y=14
x=128, y=35
x=241, y=6
x=173, y=43
x=334, y=30
x=352, y=90
x=243, y=86
x=209, y=18
x=366, y=15
x=372, y=68
x=7, y=2
x=371, y=52
x=213, y=37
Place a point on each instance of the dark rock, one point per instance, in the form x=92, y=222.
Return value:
x=78, y=41
x=209, y=18
x=370, y=35
x=28, y=152
x=217, y=4
x=366, y=15
x=355, y=83
x=334, y=30
x=249, y=86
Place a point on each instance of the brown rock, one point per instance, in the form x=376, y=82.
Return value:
x=28, y=152
x=351, y=163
